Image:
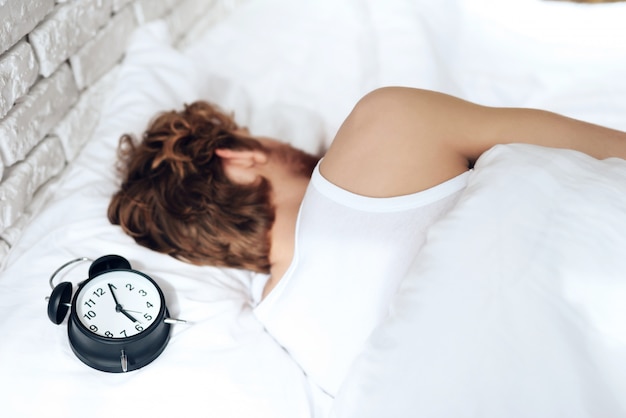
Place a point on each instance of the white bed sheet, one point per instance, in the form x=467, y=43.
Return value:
x=291, y=70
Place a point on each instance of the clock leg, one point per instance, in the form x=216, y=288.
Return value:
x=124, y=361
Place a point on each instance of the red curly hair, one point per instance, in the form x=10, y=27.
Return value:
x=175, y=197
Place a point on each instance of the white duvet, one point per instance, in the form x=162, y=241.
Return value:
x=514, y=309
x=516, y=306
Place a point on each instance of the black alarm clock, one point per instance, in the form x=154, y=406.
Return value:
x=118, y=320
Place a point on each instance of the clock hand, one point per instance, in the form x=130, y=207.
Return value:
x=119, y=307
x=117, y=304
x=129, y=316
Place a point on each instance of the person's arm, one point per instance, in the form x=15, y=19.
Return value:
x=401, y=140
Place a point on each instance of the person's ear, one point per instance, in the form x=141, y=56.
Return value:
x=241, y=157
x=241, y=165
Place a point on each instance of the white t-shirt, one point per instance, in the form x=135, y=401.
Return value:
x=351, y=252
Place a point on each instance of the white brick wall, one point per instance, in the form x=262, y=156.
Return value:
x=119, y=4
x=18, y=72
x=44, y=162
x=101, y=53
x=76, y=127
x=147, y=10
x=33, y=117
x=66, y=29
x=57, y=61
x=19, y=18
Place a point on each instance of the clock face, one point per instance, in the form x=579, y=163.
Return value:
x=118, y=304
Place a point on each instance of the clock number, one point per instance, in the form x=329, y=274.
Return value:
x=143, y=292
x=148, y=317
x=89, y=315
x=124, y=333
x=149, y=305
x=89, y=303
x=130, y=287
x=138, y=327
x=99, y=292
x=108, y=334
x=93, y=328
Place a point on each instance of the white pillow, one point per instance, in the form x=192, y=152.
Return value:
x=243, y=372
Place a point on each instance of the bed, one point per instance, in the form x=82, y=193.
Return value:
x=515, y=307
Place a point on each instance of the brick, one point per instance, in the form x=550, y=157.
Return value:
x=19, y=18
x=65, y=30
x=18, y=72
x=78, y=125
x=21, y=194
x=17, y=190
x=12, y=233
x=217, y=11
x=119, y=4
x=4, y=253
x=46, y=160
x=13, y=198
x=182, y=38
x=148, y=10
x=101, y=53
x=34, y=116
x=43, y=194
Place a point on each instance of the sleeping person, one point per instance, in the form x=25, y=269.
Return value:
x=202, y=189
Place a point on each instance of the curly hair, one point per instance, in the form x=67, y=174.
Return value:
x=175, y=197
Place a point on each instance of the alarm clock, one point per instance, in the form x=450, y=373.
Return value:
x=118, y=320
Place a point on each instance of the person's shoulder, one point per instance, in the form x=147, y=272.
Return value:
x=392, y=144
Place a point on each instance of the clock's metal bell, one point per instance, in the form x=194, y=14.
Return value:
x=59, y=302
